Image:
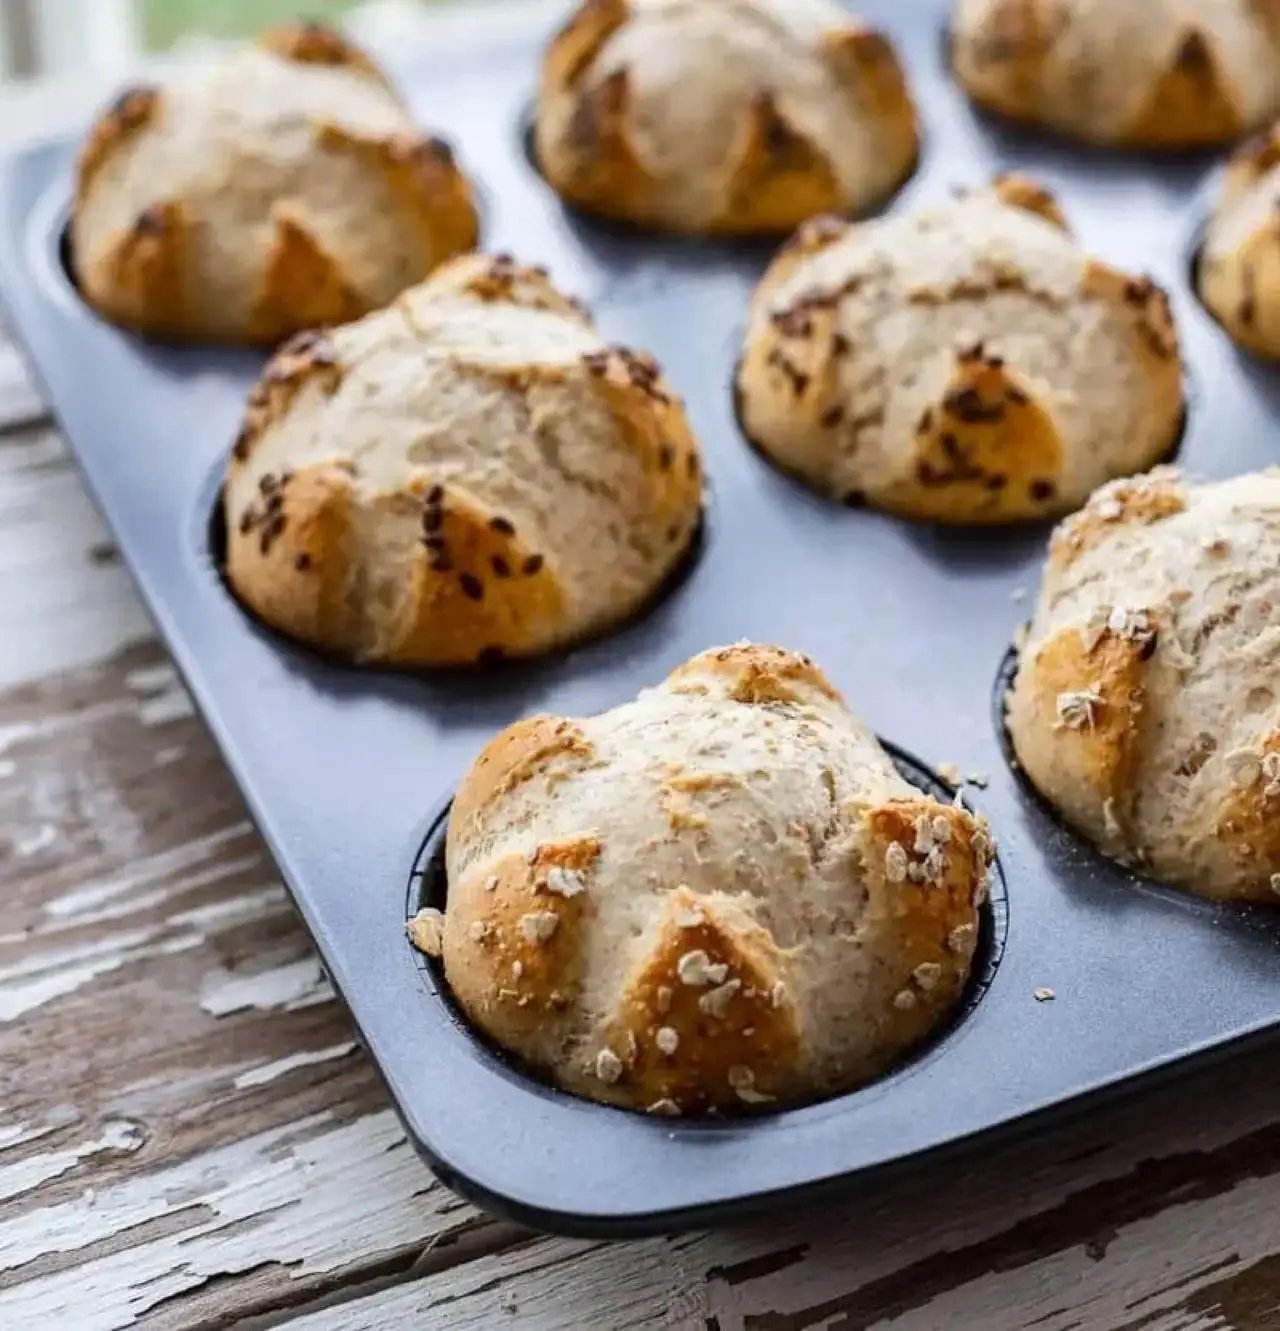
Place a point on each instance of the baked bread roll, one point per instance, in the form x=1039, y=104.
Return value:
x=281, y=189
x=722, y=116
x=470, y=473
x=1146, y=708
x=1239, y=267
x=720, y=895
x=1135, y=73
x=966, y=363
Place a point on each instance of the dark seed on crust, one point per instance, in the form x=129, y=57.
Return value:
x=1043, y=490
x=433, y=519
x=832, y=417
x=442, y=563
x=533, y=565
x=691, y=465
x=673, y=532
x=267, y=483
x=434, y=542
x=666, y=456
x=471, y=586
x=303, y=562
x=841, y=345
x=435, y=496
x=996, y=482
x=926, y=421
x=503, y=525
x=500, y=566
x=247, y=520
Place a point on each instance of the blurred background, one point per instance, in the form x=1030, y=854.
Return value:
x=61, y=37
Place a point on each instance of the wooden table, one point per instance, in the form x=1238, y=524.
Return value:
x=190, y=1136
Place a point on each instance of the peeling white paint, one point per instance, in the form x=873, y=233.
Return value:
x=169, y=755
x=116, y=1135
x=259, y=1076
x=147, y=870
x=152, y=679
x=313, y=1196
x=167, y=707
x=41, y=839
x=298, y=983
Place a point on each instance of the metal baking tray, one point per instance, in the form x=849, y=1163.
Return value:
x=347, y=772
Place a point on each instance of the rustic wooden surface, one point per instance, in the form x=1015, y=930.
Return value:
x=189, y=1136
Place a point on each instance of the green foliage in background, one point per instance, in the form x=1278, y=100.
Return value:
x=164, y=21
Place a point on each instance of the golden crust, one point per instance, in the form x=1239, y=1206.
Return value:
x=778, y=175
x=465, y=533
x=1191, y=102
x=424, y=174
x=595, y=165
x=751, y=1025
x=523, y=752
x=286, y=555
x=499, y=279
x=752, y=673
x=1248, y=822
x=769, y=176
x=142, y=283
x=306, y=357
x=1019, y=191
x=513, y=950
x=1239, y=267
x=240, y=240
x=867, y=65
x=1189, y=82
x=739, y=937
x=1078, y=707
x=131, y=112
x=987, y=451
x=311, y=43
x=1139, y=501
x=938, y=426
x=302, y=285
x=476, y=592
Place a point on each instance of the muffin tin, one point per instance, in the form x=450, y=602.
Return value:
x=347, y=772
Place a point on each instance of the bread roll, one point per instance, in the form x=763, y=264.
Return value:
x=1147, y=705
x=966, y=363
x=284, y=188
x=719, y=896
x=722, y=116
x=1239, y=269
x=1138, y=73
x=470, y=473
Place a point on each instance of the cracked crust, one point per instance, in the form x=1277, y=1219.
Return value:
x=1193, y=72
x=797, y=112
x=1147, y=698
x=1020, y=376
x=1239, y=269
x=469, y=474
x=349, y=206
x=751, y=906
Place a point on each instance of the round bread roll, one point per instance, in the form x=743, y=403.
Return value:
x=722, y=116
x=1134, y=73
x=1147, y=704
x=1239, y=268
x=281, y=189
x=964, y=364
x=470, y=473
x=719, y=895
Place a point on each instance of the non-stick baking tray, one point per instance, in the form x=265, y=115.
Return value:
x=347, y=772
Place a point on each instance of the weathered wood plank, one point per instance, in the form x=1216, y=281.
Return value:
x=184, y=1101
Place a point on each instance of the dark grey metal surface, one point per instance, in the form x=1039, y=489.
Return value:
x=345, y=771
